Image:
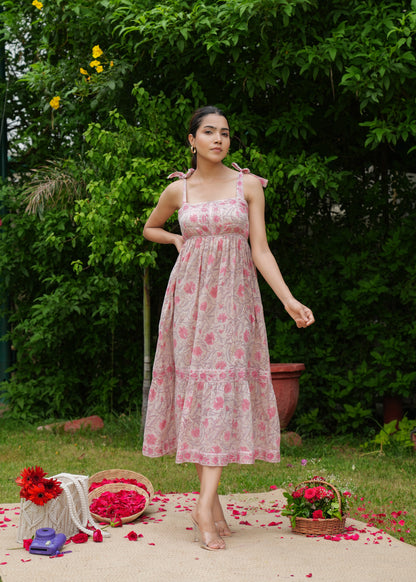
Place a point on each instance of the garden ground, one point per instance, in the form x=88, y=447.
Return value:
x=263, y=548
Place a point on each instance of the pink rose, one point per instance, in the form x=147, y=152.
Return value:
x=27, y=544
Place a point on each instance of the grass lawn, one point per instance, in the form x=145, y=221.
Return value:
x=383, y=485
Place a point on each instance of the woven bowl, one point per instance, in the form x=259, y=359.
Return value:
x=122, y=474
x=114, y=488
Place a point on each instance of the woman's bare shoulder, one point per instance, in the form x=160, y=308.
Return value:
x=252, y=187
x=171, y=196
x=250, y=180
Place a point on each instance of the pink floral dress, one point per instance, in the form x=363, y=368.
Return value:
x=211, y=400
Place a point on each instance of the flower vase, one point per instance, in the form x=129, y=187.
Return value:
x=285, y=380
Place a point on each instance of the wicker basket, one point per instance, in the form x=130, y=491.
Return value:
x=114, y=488
x=122, y=474
x=318, y=527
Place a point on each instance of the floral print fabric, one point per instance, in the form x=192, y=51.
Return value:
x=211, y=398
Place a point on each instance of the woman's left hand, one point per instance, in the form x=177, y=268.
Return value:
x=302, y=315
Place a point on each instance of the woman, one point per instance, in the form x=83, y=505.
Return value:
x=211, y=398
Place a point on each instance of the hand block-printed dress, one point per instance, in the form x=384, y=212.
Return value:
x=211, y=399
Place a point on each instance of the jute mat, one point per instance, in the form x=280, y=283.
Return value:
x=262, y=549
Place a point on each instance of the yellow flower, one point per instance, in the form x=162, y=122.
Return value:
x=95, y=63
x=54, y=103
x=37, y=4
x=83, y=71
x=96, y=51
x=99, y=69
x=111, y=64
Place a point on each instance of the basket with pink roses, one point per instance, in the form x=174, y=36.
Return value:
x=316, y=507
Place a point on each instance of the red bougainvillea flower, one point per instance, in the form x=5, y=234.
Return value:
x=30, y=476
x=79, y=538
x=317, y=514
x=97, y=536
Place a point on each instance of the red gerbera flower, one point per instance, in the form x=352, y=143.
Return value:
x=53, y=487
x=31, y=476
x=38, y=494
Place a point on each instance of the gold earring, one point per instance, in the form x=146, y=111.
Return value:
x=193, y=149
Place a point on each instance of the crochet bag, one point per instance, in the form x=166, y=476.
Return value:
x=68, y=513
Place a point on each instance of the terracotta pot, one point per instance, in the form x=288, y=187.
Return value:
x=285, y=380
x=392, y=408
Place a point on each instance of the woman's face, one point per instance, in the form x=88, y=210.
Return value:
x=212, y=139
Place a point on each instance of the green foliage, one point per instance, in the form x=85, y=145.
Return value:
x=396, y=435
x=321, y=101
x=360, y=283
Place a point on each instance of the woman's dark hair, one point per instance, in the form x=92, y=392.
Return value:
x=196, y=121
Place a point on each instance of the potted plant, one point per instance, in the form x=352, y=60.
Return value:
x=285, y=380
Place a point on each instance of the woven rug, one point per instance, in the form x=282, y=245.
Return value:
x=262, y=549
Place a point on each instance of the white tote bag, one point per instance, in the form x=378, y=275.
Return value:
x=68, y=513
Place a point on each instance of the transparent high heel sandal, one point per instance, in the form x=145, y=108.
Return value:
x=206, y=538
x=222, y=528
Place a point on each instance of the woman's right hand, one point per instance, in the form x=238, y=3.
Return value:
x=178, y=242
x=302, y=315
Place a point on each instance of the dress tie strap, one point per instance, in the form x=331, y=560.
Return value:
x=183, y=177
x=263, y=181
x=181, y=174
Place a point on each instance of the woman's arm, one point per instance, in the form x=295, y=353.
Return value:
x=169, y=202
x=263, y=257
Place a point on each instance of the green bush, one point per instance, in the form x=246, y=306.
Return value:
x=321, y=100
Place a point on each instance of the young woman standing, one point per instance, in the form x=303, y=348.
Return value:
x=211, y=399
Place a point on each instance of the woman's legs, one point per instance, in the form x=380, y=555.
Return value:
x=217, y=511
x=204, y=514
